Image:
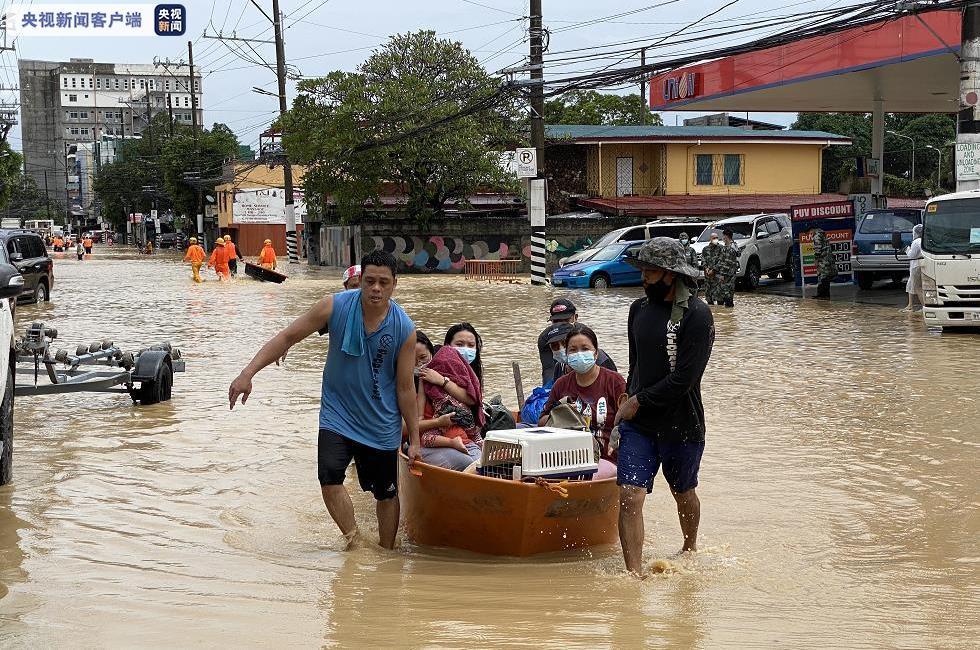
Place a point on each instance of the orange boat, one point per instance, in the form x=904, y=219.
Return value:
x=493, y=516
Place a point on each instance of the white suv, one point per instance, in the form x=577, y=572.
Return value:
x=766, y=241
x=11, y=286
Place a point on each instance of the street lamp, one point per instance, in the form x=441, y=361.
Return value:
x=900, y=135
x=939, y=171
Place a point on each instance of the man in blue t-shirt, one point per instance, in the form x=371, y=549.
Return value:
x=368, y=390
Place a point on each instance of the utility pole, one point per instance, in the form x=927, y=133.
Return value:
x=47, y=197
x=537, y=187
x=643, y=84
x=170, y=112
x=968, y=127
x=287, y=170
x=149, y=119
x=190, y=80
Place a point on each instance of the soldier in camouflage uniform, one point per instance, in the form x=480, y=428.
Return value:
x=728, y=270
x=711, y=256
x=826, y=262
x=692, y=257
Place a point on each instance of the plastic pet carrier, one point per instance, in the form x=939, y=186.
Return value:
x=542, y=452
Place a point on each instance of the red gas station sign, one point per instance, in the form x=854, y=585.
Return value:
x=682, y=86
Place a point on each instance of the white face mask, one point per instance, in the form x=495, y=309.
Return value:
x=714, y=240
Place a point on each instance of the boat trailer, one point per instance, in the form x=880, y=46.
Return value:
x=99, y=367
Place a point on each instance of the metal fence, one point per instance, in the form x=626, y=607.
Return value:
x=493, y=270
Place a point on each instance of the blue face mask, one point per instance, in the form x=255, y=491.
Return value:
x=468, y=354
x=581, y=362
x=560, y=356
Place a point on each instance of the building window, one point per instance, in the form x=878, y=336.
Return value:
x=83, y=115
x=166, y=85
x=64, y=82
x=74, y=130
x=719, y=169
x=116, y=83
x=73, y=98
x=98, y=83
x=142, y=84
x=73, y=82
x=84, y=131
x=187, y=102
x=704, y=168
x=197, y=86
x=90, y=82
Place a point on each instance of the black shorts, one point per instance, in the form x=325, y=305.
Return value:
x=377, y=469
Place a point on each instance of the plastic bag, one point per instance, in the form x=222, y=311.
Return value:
x=534, y=405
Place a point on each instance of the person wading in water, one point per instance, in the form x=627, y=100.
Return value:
x=661, y=424
x=368, y=389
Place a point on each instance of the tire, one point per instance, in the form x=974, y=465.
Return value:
x=158, y=390
x=600, y=281
x=7, y=428
x=753, y=274
x=789, y=271
x=41, y=293
x=865, y=280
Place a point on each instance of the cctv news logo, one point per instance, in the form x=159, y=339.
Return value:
x=96, y=20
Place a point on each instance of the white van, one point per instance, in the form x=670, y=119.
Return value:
x=670, y=227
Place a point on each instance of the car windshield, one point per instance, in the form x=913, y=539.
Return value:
x=605, y=240
x=885, y=223
x=674, y=231
x=739, y=231
x=952, y=227
x=608, y=253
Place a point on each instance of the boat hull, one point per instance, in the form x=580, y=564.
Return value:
x=497, y=517
x=259, y=273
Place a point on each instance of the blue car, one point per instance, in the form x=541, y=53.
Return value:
x=872, y=254
x=607, y=268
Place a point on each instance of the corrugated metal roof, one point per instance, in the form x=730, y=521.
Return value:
x=594, y=132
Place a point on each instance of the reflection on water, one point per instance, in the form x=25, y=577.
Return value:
x=838, y=486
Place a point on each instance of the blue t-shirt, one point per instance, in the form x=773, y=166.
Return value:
x=359, y=398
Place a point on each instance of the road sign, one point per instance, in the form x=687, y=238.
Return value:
x=967, y=161
x=527, y=162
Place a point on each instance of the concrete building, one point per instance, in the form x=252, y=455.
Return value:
x=65, y=104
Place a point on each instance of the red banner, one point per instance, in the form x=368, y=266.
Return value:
x=829, y=210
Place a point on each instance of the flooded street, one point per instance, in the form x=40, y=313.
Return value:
x=839, y=486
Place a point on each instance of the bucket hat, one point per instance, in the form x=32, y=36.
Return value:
x=664, y=253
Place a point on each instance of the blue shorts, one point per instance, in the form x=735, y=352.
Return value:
x=640, y=456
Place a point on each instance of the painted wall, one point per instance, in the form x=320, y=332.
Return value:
x=444, y=244
x=768, y=168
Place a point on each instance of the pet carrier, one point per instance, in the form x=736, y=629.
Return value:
x=542, y=452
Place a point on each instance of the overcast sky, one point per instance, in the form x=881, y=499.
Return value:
x=339, y=34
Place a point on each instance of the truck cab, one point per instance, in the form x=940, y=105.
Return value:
x=951, y=260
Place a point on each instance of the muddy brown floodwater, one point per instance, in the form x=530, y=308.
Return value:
x=839, y=487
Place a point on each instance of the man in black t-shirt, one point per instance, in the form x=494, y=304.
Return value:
x=661, y=424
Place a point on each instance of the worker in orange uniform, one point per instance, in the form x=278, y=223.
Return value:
x=87, y=243
x=195, y=255
x=59, y=245
x=219, y=260
x=233, y=255
x=267, y=258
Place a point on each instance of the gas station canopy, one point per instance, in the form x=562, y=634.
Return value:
x=909, y=63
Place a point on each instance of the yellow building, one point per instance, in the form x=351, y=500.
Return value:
x=629, y=162
x=248, y=232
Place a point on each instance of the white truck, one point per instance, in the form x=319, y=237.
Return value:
x=951, y=260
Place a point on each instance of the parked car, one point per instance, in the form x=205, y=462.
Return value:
x=25, y=250
x=766, y=241
x=170, y=240
x=606, y=267
x=872, y=252
x=11, y=286
x=671, y=227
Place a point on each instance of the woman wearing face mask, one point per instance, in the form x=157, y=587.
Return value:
x=450, y=401
x=592, y=389
x=424, y=351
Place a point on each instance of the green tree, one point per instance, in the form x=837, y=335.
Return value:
x=164, y=171
x=28, y=201
x=10, y=171
x=840, y=163
x=420, y=113
x=591, y=107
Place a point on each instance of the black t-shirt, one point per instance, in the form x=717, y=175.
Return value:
x=666, y=365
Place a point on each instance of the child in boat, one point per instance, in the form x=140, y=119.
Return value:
x=592, y=389
x=451, y=401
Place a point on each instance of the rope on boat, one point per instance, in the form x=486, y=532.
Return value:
x=558, y=488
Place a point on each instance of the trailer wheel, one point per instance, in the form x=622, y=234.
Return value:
x=158, y=390
x=7, y=429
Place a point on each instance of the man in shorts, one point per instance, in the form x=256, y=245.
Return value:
x=368, y=390
x=661, y=424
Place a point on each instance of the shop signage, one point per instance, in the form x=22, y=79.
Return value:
x=265, y=206
x=681, y=87
x=828, y=210
x=840, y=244
x=967, y=160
